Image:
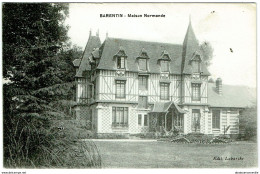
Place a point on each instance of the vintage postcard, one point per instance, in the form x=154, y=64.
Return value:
x=129, y=86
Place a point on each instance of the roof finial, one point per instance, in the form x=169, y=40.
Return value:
x=97, y=33
x=90, y=32
x=190, y=18
x=106, y=34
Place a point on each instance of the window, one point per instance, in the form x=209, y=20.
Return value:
x=89, y=91
x=145, y=120
x=195, y=120
x=121, y=62
x=139, y=119
x=195, y=92
x=215, y=119
x=195, y=66
x=164, y=66
x=143, y=102
x=164, y=91
x=143, y=82
x=120, y=116
x=94, y=88
x=120, y=89
x=143, y=64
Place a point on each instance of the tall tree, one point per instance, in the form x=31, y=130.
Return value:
x=34, y=38
x=207, y=51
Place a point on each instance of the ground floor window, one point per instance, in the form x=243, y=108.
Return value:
x=215, y=119
x=195, y=120
x=145, y=120
x=120, y=116
x=139, y=119
x=142, y=120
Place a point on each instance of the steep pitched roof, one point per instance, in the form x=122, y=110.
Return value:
x=132, y=49
x=232, y=96
x=160, y=107
x=93, y=42
x=190, y=47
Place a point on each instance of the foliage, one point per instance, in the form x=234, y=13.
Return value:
x=248, y=122
x=211, y=80
x=37, y=66
x=207, y=52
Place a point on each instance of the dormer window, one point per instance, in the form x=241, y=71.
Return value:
x=164, y=66
x=143, y=60
x=120, y=63
x=196, y=63
x=165, y=61
x=143, y=64
x=120, y=58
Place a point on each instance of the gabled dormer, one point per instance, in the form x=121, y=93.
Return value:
x=195, y=62
x=120, y=59
x=142, y=60
x=164, y=61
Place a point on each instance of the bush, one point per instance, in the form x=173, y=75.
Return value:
x=248, y=123
x=56, y=147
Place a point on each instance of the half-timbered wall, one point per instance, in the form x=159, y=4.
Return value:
x=228, y=117
x=187, y=89
x=107, y=87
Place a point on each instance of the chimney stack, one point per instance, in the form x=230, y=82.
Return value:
x=97, y=33
x=219, y=86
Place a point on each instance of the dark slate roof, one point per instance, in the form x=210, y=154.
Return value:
x=160, y=107
x=191, y=46
x=133, y=48
x=93, y=42
x=76, y=62
x=232, y=96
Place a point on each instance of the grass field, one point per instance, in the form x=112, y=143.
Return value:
x=116, y=154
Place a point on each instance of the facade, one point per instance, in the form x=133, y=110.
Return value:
x=130, y=86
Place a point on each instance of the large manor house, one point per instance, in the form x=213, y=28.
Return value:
x=132, y=86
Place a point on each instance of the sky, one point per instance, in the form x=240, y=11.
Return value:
x=225, y=26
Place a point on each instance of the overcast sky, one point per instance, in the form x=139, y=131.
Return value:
x=225, y=26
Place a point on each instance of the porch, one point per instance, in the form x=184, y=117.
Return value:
x=166, y=117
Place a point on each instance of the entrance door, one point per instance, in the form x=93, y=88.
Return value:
x=195, y=120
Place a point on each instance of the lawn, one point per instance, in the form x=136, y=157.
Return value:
x=118, y=154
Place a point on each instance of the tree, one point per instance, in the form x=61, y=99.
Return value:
x=35, y=58
x=211, y=80
x=207, y=52
x=248, y=122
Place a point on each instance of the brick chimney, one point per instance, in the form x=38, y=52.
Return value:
x=219, y=86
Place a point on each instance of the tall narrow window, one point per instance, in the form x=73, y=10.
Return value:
x=145, y=120
x=120, y=89
x=143, y=102
x=143, y=64
x=164, y=65
x=94, y=89
x=164, y=91
x=216, y=119
x=195, y=120
x=139, y=119
x=121, y=62
x=196, y=92
x=120, y=116
x=143, y=82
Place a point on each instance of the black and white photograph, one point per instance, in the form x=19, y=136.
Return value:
x=129, y=86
